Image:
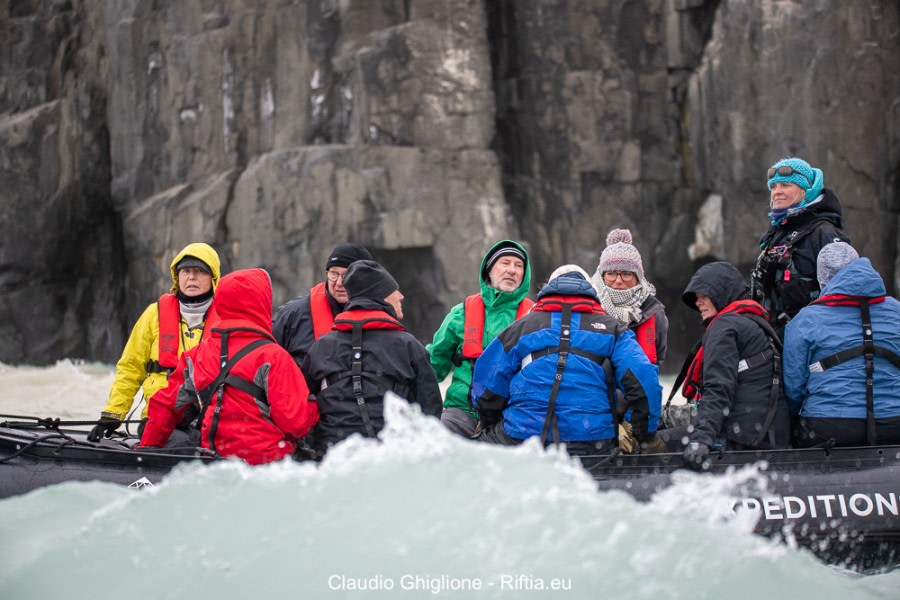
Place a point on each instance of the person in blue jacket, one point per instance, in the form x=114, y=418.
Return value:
x=552, y=374
x=825, y=367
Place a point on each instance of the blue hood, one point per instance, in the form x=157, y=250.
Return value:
x=569, y=284
x=859, y=278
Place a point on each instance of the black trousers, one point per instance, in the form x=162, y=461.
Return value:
x=815, y=431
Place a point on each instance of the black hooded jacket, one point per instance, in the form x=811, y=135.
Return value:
x=734, y=404
x=817, y=226
x=388, y=351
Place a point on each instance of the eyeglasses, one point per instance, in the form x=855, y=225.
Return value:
x=786, y=171
x=334, y=276
x=625, y=276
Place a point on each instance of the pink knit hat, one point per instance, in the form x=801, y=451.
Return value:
x=620, y=255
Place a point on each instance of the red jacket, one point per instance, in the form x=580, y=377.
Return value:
x=256, y=431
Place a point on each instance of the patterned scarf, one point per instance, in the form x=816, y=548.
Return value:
x=624, y=305
x=780, y=215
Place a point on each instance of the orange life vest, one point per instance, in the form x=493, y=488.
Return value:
x=473, y=327
x=646, y=337
x=169, y=330
x=320, y=309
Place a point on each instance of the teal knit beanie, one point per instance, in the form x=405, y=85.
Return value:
x=810, y=179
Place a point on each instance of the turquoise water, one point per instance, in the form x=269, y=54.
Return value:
x=420, y=514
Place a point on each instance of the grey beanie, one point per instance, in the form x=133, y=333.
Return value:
x=192, y=262
x=832, y=258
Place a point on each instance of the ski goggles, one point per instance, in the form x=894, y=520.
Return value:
x=785, y=171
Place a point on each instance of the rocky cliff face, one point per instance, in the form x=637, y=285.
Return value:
x=424, y=129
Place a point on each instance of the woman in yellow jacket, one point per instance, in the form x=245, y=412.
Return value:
x=167, y=328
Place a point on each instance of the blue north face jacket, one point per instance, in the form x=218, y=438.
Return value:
x=818, y=331
x=515, y=374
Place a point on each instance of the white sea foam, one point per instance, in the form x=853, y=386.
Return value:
x=417, y=514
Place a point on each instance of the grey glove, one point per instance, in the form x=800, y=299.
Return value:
x=696, y=456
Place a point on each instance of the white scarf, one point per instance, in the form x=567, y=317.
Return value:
x=624, y=305
x=193, y=313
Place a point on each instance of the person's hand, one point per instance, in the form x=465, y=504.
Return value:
x=696, y=456
x=104, y=428
x=653, y=445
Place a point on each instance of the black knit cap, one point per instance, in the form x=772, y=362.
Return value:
x=505, y=249
x=344, y=254
x=368, y=279
x=192, y=262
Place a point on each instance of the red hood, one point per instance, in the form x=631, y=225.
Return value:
x=243, y=299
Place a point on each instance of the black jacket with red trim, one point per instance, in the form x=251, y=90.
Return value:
x=388, y=351
x=734, y=404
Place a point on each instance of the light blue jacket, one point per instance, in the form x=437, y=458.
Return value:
x=818, y=331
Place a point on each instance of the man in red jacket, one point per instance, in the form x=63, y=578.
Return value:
x=254, y=399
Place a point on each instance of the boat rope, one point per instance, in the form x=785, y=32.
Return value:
x=50, y=423
x=614, y=452
x=66, y=441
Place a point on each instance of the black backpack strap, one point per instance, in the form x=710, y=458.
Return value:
x=850, y=353
x=564, y=337
x=611, y=394
x=217, y=387
x=388, y=383
x=248, y=387
x=774, y=352
x=869, y=354
x=682, y=374
x=153, y=366
x=597, y=358
x=356, y=374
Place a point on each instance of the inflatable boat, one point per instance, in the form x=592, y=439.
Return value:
x=842, y=503
x=38, y=452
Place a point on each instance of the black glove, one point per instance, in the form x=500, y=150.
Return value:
x=696, y=456
x=104, y=428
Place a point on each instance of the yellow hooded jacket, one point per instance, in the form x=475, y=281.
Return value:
x=143, y=344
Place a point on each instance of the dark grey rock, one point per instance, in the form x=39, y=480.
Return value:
x=424, y=129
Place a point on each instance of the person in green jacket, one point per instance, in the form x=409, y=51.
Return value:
x=505, y=279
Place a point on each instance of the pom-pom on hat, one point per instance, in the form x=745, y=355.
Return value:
x=832, y=258
x=192, y=262
x=800, y=173
x=368, y=279
x=620, y=255
x=345, y=254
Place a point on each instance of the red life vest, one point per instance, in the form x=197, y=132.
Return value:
x=578, y=304
x=320, y=310
x=169, y=330
x=646, y=337
x=843, y=300
x=473, y=327
x=693, y=382
x=370, y=319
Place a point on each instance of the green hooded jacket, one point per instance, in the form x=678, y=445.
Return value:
x=499, y=312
